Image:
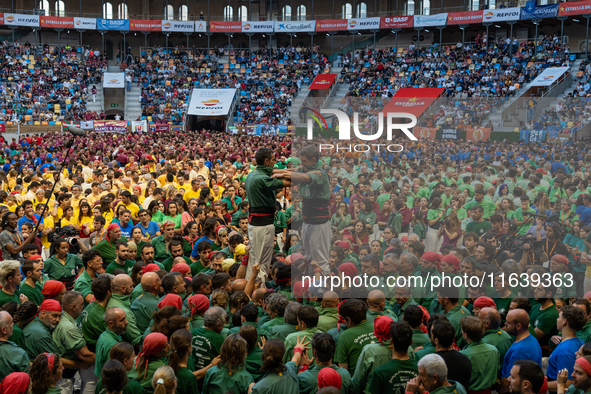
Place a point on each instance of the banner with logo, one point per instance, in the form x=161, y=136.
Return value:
x=540, y=11
x=501, y=15
x=391, y=22
x=450, y=134
x=363, y=23
x=110, y=126
x=553, y=131
x=322, y=81
x=145, y=25
x=211, y=102
x=2, y=127
x=112, y=24
x=431, y=20
x=331, y=24
x=21, y=20
x=139, y=126
x=200, y=26
x=295, y=27
x=225, y=26
x=175, y=26
x=460, y=18
x=478, y=134
x=159, y=127
x=257, y=27
x=574, y=8
x=113, y=80
x=549, y=76
x=424, y=133
x=85, y=23
x=1, y=18
x=56, y=22
x=412, y=100
x=87, y=124
x=537, y=135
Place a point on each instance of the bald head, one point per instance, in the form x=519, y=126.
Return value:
x=5, y=325
x=376, y=300
x=239, y=285
x=258, y=295
x=122, y=284
x=178, y=260
x=519, y=316
x=330, y=300
x=113, y=314
x=490, y=317
x=151, y=282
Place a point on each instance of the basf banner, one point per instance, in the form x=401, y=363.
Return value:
x=295, y=27
x=211, y=102
x=225, y=26
x=460, y=18
x=257, y=27
x=430, y=20
x=112, y=24
x=363, y=23
x=574, y=8
x=539, y=11
x=145, y=25
x=549, y=76
x=21, y=20
x=174, y=26
x=113, y=80
x=331, y=24
x=501, y=15
x=56, y=22
x=85, y=23
x=396, y=22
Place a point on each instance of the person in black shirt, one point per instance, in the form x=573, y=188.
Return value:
x=459, y=367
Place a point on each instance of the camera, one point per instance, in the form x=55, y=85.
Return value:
x=519, y=242
x=445, y=222
x=68, y=233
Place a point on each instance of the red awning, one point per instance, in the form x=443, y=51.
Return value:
x=322, y=81
x=412, y=100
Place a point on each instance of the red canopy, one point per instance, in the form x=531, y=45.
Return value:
x=412, y=100
x=323, y=81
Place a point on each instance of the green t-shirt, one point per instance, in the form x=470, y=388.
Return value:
x=351, y=343
x=186, y=381
x=391, y=377
x=92, y=323
x=479, y=228
x=127, y=266
x=519, y=216
x=218, y=381
x=544, y=320
x=33, y=293
x=485, y=364
x=206, y=346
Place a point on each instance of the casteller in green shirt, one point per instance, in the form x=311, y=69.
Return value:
x=391, y=377
x=351, y=343
x=485, y=364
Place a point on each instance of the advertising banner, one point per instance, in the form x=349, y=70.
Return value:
x=501, y=15
x=549, y=76
x=363, y=23
x=200, y=26
x=2, y=127
x=322, y=81
x=540, y=11
x=331, y=24
x=160, y=127
x=21, y=20
x=211, y=102
x=110, y=126
x=257, y=27
x=412, y=100
x=87, y=124
x=574, y=8
x=174, y=26
x=295, y=27
x=85, y=23
x=392, y=22
x=145, y=25
x=56, y=21
x=431, y=20
x=113, y=80
x=460, y=18
x=112, y=24
x=225, y=26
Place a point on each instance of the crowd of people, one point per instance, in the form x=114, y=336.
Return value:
x=177, y=262
x=48, y=85
x=266, y=80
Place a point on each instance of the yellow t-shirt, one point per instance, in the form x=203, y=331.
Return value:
x=108, y=218
x=86, y=221
x=48, y=222
x=72, y=222
x=133, y=208
x=189, y=194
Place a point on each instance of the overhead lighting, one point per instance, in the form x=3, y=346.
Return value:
x=426, y=30
x=576, y=20
x=327, y=34
x=199, y=35
x=497, y=26
x=135, y=34
x=263, y=35
x=295, y=35
x=68, y=31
